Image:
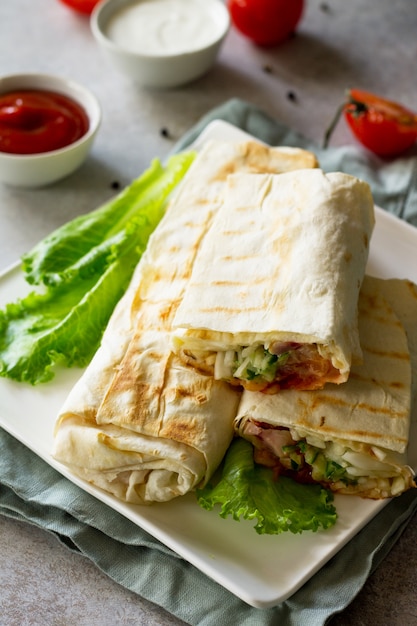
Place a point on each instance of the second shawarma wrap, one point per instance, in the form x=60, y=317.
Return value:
x=139, y=423
x=352, y=438
x=272, y=300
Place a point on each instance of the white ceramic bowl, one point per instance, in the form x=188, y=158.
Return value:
x=145, y=51
x=38, y=170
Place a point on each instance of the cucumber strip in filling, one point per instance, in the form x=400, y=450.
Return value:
x=282, y=365
x=333, y=464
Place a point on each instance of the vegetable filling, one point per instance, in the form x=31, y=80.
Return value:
x=282, y=365
x=332, y=464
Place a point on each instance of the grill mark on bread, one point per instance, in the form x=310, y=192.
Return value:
x=389, y=354
x=387, y=383
x=328, y=400
x=181, y=430
x=258, y=158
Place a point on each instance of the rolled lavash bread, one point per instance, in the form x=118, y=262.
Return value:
x=272, y=300
x=352, y=438
x=139, y=423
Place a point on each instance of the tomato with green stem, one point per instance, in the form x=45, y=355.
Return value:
x=385, y=127
x=82, y=6
x=266, y=22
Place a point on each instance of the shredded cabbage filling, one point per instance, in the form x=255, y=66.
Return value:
x=280, y=366
x=332, y=464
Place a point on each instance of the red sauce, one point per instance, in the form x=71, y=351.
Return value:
x=34, y=121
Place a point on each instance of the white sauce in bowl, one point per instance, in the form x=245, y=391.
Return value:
x=160, y=27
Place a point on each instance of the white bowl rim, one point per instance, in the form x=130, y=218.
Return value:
x=69, y=87
x=100, y=35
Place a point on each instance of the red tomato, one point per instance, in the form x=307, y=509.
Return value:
x=384, y=127
x=266, y=22
x=82, y=6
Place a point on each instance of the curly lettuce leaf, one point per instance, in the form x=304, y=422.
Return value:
x=247, y=490
x=85, y=245
x=83, y=269
x=61, y=325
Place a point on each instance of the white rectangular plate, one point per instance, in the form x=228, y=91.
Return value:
x=261, y=570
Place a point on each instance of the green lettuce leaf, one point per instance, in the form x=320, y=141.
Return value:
x=247, y=490
x=87, y=244
x=82, y=269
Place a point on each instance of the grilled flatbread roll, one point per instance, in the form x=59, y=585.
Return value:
x=352, y=438
x=272, y=300
x=139, y=423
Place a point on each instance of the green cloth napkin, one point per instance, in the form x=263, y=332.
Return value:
x=31, y=491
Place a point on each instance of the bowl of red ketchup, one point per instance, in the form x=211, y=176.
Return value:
x=47, y=127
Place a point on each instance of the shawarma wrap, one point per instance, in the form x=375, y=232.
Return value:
x=272, y=300
x=139, y=423
x=352, y=438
